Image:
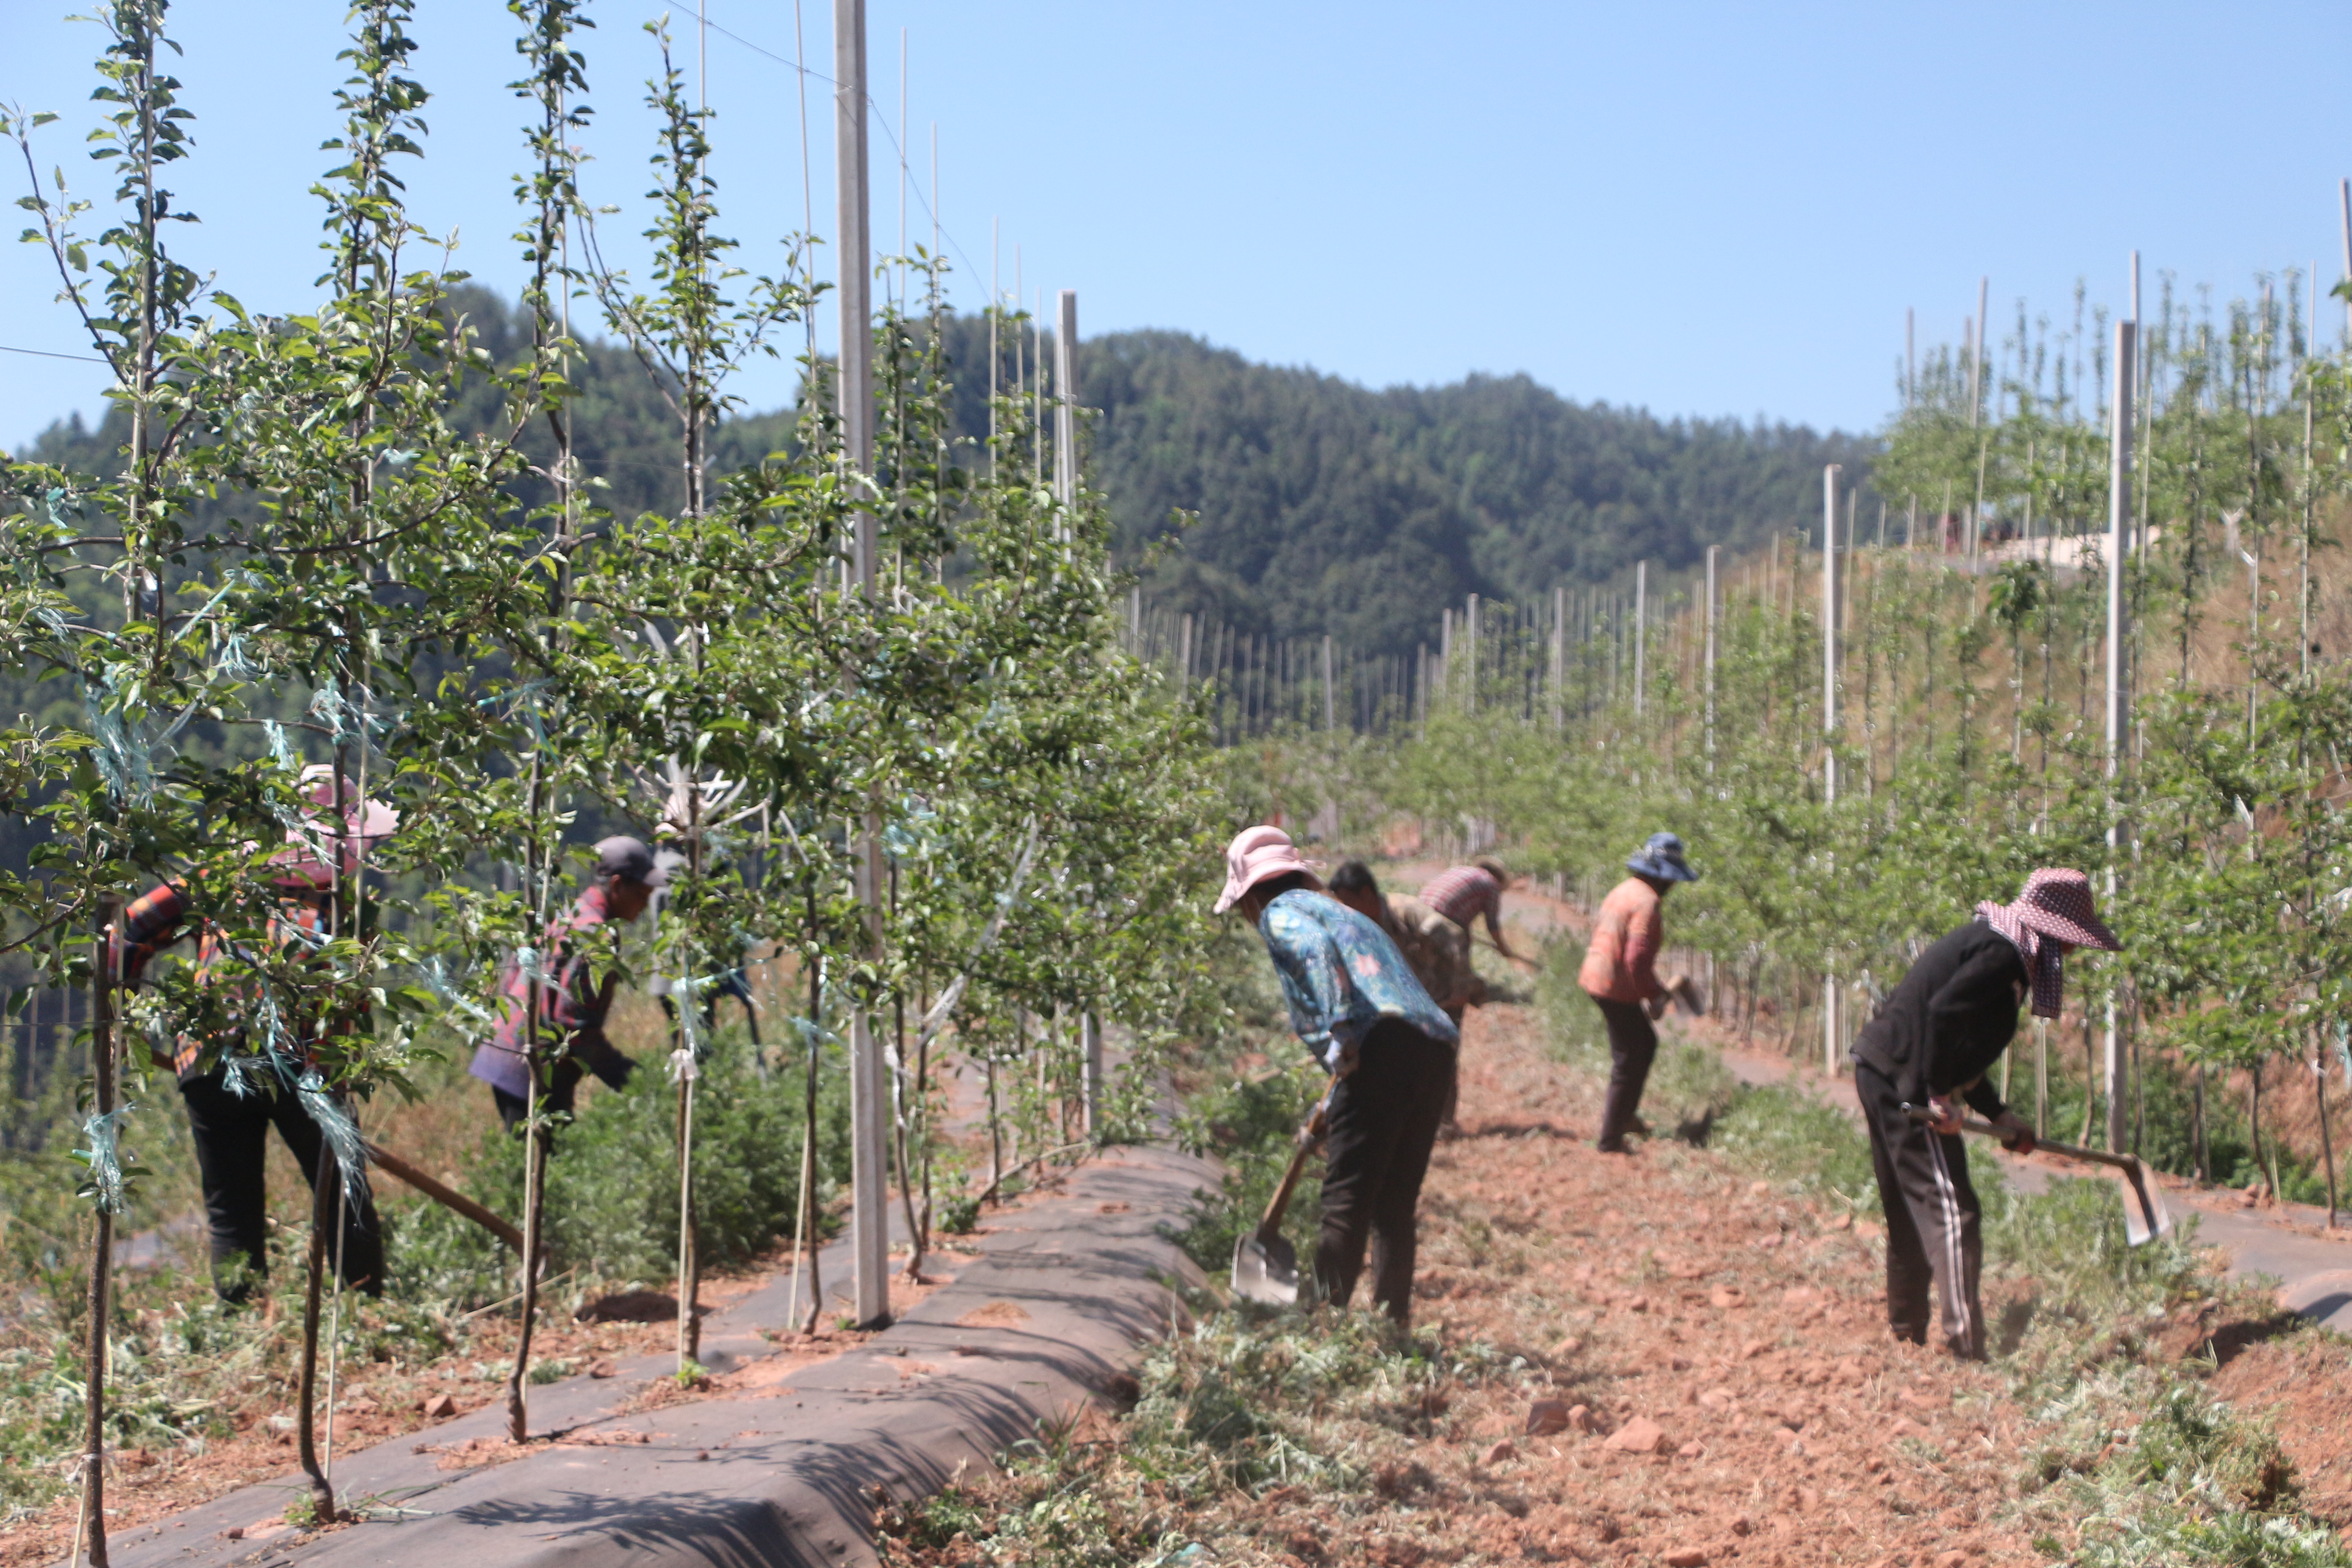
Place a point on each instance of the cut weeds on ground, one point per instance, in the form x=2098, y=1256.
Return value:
x=1706, y=1322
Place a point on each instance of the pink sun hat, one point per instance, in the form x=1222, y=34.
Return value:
x=1254, y=855
x=2056, y=901
x=310, y=848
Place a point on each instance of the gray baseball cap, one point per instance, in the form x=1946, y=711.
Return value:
x=627, y=859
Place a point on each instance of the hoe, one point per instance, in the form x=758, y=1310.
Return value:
x=2145, y=1216
x=1266, y=1266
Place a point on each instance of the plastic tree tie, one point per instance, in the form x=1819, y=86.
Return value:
x=105, y=1187
x=686, y=1062
x=341, y=1133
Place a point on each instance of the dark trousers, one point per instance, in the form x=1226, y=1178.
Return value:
x=563, y=1085
x=1382, y=1124
x=1453, y=1086
x=1932, y=1220
x=232, y=1135
x=1632, y=1046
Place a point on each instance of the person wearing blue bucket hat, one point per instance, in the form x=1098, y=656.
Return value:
x=1621, y=975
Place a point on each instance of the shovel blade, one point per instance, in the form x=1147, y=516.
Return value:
x=2146, y=1218
x=1265, y=1270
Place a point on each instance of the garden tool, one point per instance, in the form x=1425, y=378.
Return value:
x=1514, y=957
x=2145, y=1216
x=392, y=1164
x=1266, y=1266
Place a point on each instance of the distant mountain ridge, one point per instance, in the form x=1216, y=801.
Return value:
x=1329, y=506
x=1322, y=506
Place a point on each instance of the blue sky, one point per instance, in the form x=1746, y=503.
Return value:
x=1700, y=208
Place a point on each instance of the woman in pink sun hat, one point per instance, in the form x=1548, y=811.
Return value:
x=230, y=1114
x=1932, y=1044
x=1356, y=1005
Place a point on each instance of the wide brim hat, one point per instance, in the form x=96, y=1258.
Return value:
x=1255, y=855
x=314, y=851
x=626, y=859
x=2057, y=903
x=1662, y=858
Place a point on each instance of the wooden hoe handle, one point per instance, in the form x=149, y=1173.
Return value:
x=1307, y=1137
x=441, y=1194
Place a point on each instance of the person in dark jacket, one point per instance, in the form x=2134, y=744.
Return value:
x=1930, y=1046
x=572, y=999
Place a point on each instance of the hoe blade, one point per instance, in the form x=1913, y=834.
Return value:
x=2145, y=1216
x=1265, y=1270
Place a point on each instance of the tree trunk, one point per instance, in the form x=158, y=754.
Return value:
x=314, y=1273
x=2197, y=1126
x=2254, y=1117
x=92, y=1529
x=809, y=1239
x=2090, y=1080
x=2326, y=1137
x=689, y=1248
x=534, y=1210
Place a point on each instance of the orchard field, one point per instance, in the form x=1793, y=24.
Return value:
x=941, y=792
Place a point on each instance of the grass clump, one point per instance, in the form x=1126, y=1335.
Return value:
x=1811, y=1149
x=2196, y=1483
x=612, y=1198
x=1246, y=1403
x=1250, y=1122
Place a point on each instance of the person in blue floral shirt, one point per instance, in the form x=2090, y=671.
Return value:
x=1355, y=1004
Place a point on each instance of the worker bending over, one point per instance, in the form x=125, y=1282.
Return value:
x=1467, y=894
x=573, y=1001
x=1931, y=1044
x=1355, y=1004
x=236, y=1087
x=1436, y=948
x=1621, y=975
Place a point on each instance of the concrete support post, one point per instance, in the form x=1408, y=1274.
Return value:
x=869, y=1211
x=1833, y=1025
x=2120, y=518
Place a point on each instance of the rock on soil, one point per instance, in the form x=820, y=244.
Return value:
x=1639, y=1436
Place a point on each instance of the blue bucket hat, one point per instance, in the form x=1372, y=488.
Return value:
x=1662, y=858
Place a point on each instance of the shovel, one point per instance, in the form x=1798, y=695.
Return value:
x=1266, y=1266
x=2145, y=1217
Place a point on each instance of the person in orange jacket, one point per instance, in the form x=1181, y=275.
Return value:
x=1621, y=975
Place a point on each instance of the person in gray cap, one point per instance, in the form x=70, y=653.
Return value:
x=573, y=1001
x=1621, y=975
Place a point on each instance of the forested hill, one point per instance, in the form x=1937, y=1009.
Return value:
x=1321, y=506
x=1329, y=506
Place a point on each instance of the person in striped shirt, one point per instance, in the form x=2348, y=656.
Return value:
x=1467, y=894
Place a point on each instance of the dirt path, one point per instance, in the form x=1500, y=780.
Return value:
x=1664, y=1288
